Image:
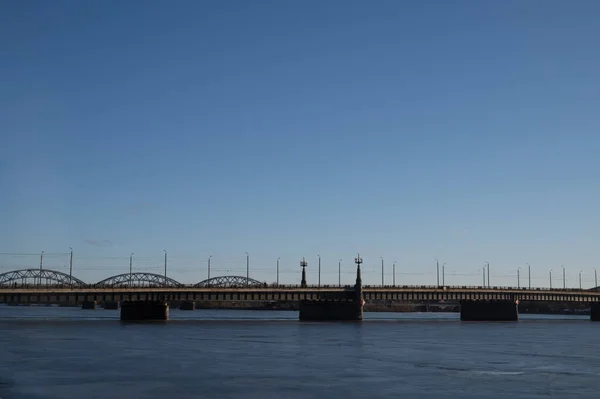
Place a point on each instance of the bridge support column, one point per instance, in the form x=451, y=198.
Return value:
x=495, y=310
x=111, y=305
x=595, y=311
x=187, y=305
x=144, y=310
x=89, y=305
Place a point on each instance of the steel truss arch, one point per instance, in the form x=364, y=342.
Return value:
x=229, y=281
x=138, y=279
x=36, y=274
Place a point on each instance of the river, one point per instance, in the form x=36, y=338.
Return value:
x=51, y=353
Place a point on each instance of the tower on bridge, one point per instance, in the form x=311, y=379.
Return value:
x=358, y=286
x=303, y=264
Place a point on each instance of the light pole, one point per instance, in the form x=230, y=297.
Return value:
x=550, y=278
x=394, y=276
x=581, y=271
x=209, y=257
x=529, y=272
x=41, y=265
x=165, y=267
x=278, y=272
x=488, y=273
x=564, y=279
x=71, y=268
x=247, y=269
x=340, y=273
x=437, y=265
x=444, y=275
x=319, y=282
x=382, y=283
x=519, y=277
x=483, y=274
x=130, y=268
x=595, y=278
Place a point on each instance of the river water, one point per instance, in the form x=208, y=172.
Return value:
x=48, y=352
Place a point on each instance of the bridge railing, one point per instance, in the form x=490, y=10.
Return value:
x=126, y=285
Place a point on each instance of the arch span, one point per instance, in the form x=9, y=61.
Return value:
x=36, y=276
x=229, y=281
x=137, y=280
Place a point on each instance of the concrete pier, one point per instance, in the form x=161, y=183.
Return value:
x=89, y=305
x=187, y=305
x=595, y=311
x=321, y=310
x=501, y=310
x=144, y=310
x=111, y=305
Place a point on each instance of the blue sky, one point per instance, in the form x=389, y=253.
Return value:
x=466, y=131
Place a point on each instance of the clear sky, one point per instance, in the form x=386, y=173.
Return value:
x=466, y=131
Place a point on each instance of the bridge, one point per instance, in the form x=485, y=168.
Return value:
x=44, y=286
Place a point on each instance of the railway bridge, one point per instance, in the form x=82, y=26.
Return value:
x=48, y=287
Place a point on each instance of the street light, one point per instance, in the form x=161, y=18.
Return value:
x=483, y=274
x=444, y=274
x=519, y=277
x=488, y=272
x=437, y=264
x=595, y=278
x=529, y=272
x=247, y=269
x=71, y=268
x=209, y=257
x=319, y=256
x=130, y=268
x=340, y=273
x=165, y=267
x=564, y=279
x=41, y=263
x=581, y=271
x=394, y=276
x=278, y=271
x=550, y=278
x=382, y=283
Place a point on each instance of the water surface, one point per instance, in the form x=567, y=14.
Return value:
x=48, y=352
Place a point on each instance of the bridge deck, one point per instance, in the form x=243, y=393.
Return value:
x=59, y=295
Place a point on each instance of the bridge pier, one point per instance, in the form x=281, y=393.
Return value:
x=144, y=310
x=498, y=310
x=187, y=305
x=89, y=305
x=595, y=311
x=111, y=305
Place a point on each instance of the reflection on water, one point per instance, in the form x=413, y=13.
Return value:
x=51, y=352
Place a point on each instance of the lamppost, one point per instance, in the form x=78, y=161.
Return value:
x=394, y=276
x=488, y=273
x=529, y=272
x=519, y=277
x=564, y=279
x=130, y=268
x=444, y=274
x=550, y=278
x=247, y=269
x=437, y=265
x=382, y=283
x=209, y=257
x=595, y=278
x=483, y=274
x=71, y=268
x=340, y=273
x=41, y=265
x=581, y=271
x=319, y=256
x=165, y=267
x=278, y=272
